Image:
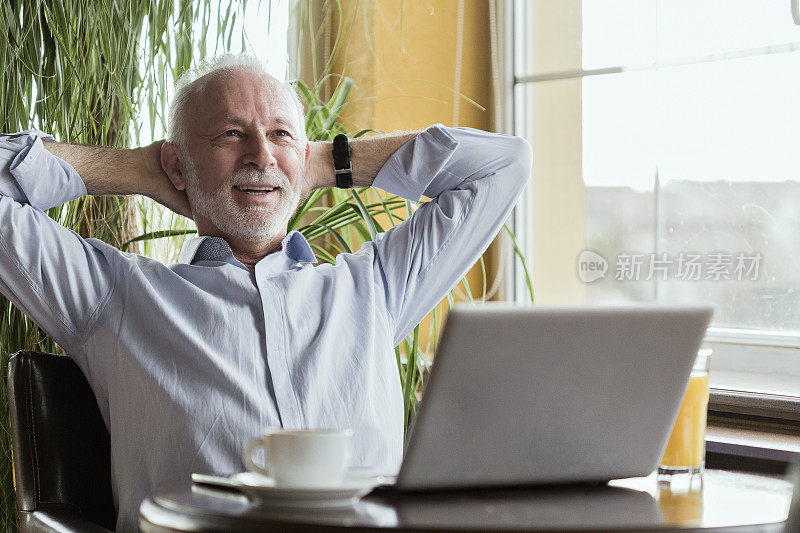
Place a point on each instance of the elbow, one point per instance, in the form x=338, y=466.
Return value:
x=523, y=153
x=520, y=157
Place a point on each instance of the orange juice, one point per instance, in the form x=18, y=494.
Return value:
x=686, y=446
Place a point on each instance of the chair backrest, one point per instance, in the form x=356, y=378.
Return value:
x=61, y=445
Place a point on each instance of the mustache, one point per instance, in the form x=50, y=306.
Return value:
x=260, y=178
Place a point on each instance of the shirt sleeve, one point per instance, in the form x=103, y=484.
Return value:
x=474, y=179
x=49, y=272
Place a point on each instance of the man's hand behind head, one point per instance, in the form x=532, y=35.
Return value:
x=120, y=171
x=157, y=184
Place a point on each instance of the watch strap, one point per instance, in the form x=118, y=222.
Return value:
x=342, y=165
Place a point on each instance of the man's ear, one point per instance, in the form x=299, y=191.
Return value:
x=172, y=163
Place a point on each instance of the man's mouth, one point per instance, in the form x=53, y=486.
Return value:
x=254, y=189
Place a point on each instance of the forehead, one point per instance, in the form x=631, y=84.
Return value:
x=244, y=96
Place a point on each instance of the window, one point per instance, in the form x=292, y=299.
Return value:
x=666, y=137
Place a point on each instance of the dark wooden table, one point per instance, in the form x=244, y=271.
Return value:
x=733, y=501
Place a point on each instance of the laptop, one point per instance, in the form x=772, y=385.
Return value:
x=550, y=395
x=531, y=395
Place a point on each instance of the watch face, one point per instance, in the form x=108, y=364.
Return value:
x=341, y=152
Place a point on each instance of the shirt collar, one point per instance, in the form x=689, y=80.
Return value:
x=207, y=248
x=296, y=247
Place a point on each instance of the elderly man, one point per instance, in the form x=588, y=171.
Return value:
x=191, y=360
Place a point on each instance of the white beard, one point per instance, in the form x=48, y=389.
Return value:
x=252, y=223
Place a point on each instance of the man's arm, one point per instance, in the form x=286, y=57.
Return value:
x=473, y=178
x=54, y=276
x=367, y=156
x=106, y=170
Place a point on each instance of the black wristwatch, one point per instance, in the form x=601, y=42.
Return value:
x=341, y=162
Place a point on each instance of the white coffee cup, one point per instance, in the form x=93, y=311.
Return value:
x=302, y=458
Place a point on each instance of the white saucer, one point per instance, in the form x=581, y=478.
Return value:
x=264, y=490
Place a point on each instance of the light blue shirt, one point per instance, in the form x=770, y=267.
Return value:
x=191, y=360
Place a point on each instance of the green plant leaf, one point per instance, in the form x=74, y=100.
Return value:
x=160, y=234
x=336, y=235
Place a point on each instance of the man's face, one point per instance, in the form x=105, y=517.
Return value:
x=242, y=139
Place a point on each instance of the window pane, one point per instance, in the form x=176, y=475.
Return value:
x=642, y=33
x=619, y=33
x=620, y=146
x=620, y=140
x=731, y=179
x=689, y=29
x=745, y=234
x=720, y=225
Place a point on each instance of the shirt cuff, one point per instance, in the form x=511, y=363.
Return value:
x=418, y=167
x=45, y=179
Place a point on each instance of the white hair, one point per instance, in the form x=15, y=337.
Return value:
x=193, y=82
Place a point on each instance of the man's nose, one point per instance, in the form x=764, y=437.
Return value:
x=259, y=153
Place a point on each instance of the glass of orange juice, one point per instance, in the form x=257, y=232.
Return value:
x=686, y=449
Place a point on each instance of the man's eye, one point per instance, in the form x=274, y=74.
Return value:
x=282, y=133
x=231, y=133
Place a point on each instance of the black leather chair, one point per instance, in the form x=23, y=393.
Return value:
x=61, y=447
